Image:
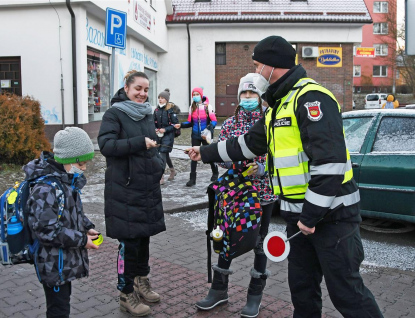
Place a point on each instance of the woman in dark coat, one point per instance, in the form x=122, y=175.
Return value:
x=165, y=119
x=133, y=206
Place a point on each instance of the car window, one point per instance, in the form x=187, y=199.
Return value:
x=355, y=129
x=372, y=97
x=395, y=134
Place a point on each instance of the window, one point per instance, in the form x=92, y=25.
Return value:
x=152, y=91
x=381, y=49
x=397, y=74
x=380, y=71
x=395, y=134
x=98, y=84
x=220, y=53
x=380, y=7
x=357, y=71
x=10, y=75
x=355, y=130
x=359, y=89
x=380, y=28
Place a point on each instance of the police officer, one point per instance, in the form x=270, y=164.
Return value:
x=310, y=169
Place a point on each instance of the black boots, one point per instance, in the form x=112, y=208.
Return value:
x=192, y=180
x=254, y=297
x=218, y=292
x=215, y=172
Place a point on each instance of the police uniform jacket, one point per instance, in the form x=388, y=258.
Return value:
x=324, y=144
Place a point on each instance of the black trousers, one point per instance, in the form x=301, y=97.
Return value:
x=168, y=160
x=133, y=256
x=334, y=251
x=58, y=301
x=260, y=259
x=193, y=164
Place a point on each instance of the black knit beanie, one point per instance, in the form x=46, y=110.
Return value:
x=275, y=51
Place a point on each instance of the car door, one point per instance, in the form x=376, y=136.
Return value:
x=356, y=128
x=387, y=171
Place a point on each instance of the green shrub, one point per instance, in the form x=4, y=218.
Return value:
x=22, y=133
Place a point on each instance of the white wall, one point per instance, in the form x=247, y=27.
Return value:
x=36, y=41
x=203, y=37
x=32, y=32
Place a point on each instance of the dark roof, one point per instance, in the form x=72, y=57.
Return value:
x=275, y=11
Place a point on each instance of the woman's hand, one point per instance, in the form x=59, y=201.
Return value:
x=177, y=126
x=150, y=143
x=254, y=169
x=162, y=130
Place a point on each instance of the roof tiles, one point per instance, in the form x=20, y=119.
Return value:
x=189, y=11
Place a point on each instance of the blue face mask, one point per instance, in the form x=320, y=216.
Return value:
x=249, y=104
x=197, y=99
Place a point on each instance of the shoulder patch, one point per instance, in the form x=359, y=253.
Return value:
x=314, y=112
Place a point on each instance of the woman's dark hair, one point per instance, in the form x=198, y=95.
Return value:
x=238, y=108
x=129, y=77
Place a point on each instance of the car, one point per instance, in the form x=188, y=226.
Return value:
x=375, y=100
x=381, y=143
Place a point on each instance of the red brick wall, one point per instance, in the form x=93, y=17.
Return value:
x=338, y=80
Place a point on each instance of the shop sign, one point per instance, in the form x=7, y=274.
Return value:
x=142, y=16
x=329, y=57
x=365, y=52
x=6, y=83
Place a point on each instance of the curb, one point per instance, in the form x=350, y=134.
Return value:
x=187, y=208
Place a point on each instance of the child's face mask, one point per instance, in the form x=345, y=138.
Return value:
x=197, y=99
x=76, y=170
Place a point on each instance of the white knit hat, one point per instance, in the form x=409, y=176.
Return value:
x=247, y=84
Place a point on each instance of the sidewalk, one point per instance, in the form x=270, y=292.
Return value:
x=178, y=272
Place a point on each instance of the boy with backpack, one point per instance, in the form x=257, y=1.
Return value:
x=56, y=218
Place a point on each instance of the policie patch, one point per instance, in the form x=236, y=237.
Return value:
x=314, y=112
x=286, y=121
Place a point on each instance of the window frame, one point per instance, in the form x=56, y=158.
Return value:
x=381, y=6
x=381, y=28
x=354, y=70
x=381, y=47
x=218, y=56
x=381, y=67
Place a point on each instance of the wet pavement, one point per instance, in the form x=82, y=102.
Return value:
x=178, y=264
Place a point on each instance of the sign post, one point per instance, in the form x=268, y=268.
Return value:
x=115, y=36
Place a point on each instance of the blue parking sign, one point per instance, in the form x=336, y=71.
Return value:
x=116, y=28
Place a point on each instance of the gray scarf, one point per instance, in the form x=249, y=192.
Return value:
x=134, y=110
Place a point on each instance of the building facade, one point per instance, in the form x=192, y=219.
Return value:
x=36, y=55
x=214, y=40
x=180, y=44
x=377, y=72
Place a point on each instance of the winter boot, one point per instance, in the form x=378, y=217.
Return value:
x=172, y=174
x=131, y=303
x=192, y=180
x=143, y=288
x=218, y=292
x=254, y=297
x=162, y=180
x=215, y=173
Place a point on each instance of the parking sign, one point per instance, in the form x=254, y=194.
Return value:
x=116, y=28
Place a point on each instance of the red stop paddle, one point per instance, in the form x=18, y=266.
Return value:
x=277, y=246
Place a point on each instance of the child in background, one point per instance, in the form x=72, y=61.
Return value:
x=201, y=117
x=63, y=240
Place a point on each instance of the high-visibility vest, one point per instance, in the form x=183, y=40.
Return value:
x=290, y=167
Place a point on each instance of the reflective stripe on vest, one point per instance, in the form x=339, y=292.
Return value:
x=291, y=172
x=346, y=200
